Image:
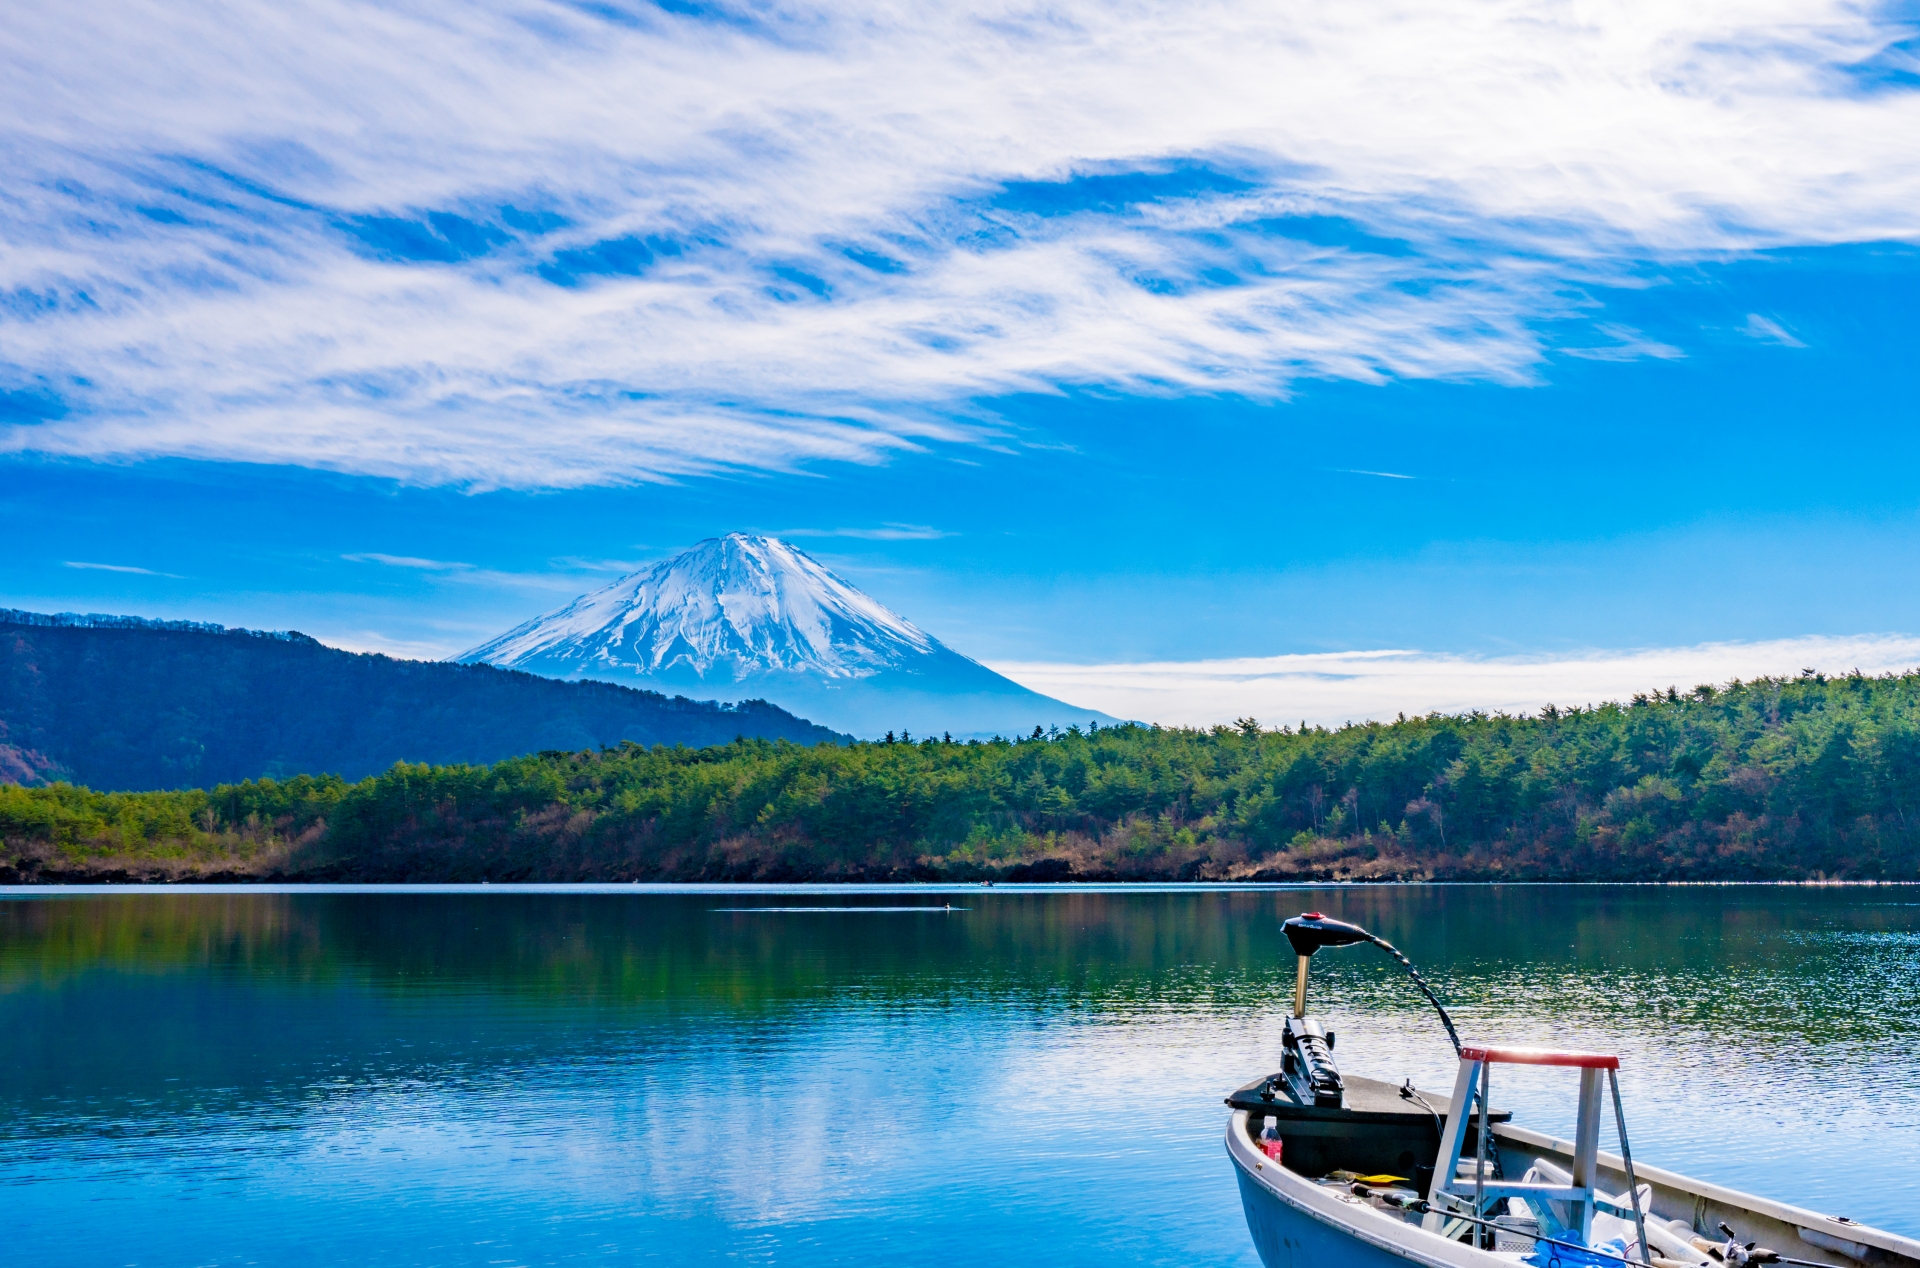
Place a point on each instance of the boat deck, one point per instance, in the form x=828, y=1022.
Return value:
x=1372, y=1099
x=1375, y=1130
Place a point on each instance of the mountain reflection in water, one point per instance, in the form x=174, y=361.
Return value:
x=519, y=1077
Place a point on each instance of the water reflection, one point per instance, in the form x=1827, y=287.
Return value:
x=512, y=1077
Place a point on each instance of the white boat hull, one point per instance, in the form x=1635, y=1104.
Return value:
x=1297, y=1223
x=1289, y=1236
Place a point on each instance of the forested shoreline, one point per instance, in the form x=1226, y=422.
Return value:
x=1804, y=778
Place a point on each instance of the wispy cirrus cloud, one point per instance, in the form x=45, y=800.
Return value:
x=533, y=244
x=1332, y=688
x=406, y=561
x=1628, y=345
x=1767, y=330
x=128, y=568
x=572, y=563
x=884, y=533
x=448, y=570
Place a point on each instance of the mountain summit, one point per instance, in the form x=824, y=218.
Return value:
x=730, y=609
x=749, y=616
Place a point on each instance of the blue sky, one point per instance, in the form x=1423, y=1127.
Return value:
x=1087, y=335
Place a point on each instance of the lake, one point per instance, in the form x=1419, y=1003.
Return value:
x=510, y=1075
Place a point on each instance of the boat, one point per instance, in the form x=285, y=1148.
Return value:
x=1360, y=1173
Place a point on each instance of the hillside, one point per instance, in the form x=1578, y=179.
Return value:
x=1772, y=779
x=121, y=703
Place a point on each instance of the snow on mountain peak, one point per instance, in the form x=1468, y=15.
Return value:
x=729, y=608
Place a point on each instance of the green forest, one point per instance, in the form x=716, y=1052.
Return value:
x=1804, y=778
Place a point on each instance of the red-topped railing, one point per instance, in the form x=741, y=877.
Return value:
x=1539, y=1056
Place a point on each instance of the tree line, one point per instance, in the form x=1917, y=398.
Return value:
x=1777, y=778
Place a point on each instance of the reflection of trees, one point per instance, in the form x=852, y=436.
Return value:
x=1049, y=949
x=672, y=1046
x=46, y=942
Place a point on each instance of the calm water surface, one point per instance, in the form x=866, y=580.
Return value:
x=507, y=1076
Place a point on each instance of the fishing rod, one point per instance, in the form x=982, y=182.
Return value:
x=1733, y=1253
x=1420, y=1206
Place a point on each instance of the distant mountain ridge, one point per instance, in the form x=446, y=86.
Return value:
x=119, y=702
x=744, y=613
x=107, y=621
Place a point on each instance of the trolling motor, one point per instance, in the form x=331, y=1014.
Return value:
x=1307, y=1062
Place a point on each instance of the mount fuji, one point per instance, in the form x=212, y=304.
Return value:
x=756, y=617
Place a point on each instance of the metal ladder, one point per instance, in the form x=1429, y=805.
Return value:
x=1447, y=1189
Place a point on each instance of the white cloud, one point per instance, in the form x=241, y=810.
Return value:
x=885, y=533
x=139, y=572
x=1767, y=330
x=374, y=641
x=1628, y=345
x=406, y=561
x=444, y=570
x=623, y=566
x=837, y=263
x=1331, y=688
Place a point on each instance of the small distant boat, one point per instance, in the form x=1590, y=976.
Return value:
x=1356, y=1173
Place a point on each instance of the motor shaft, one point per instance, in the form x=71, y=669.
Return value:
x=1300, y=988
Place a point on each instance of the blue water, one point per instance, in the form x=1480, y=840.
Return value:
x=499, y=1075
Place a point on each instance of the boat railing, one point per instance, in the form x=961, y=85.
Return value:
x=1470, y=1085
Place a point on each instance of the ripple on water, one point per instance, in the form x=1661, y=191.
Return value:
x=517, y=1078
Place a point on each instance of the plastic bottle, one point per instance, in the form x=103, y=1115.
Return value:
x=1270, y=1142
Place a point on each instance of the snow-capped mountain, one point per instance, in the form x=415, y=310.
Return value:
x=731, y=608
x=744, y=617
